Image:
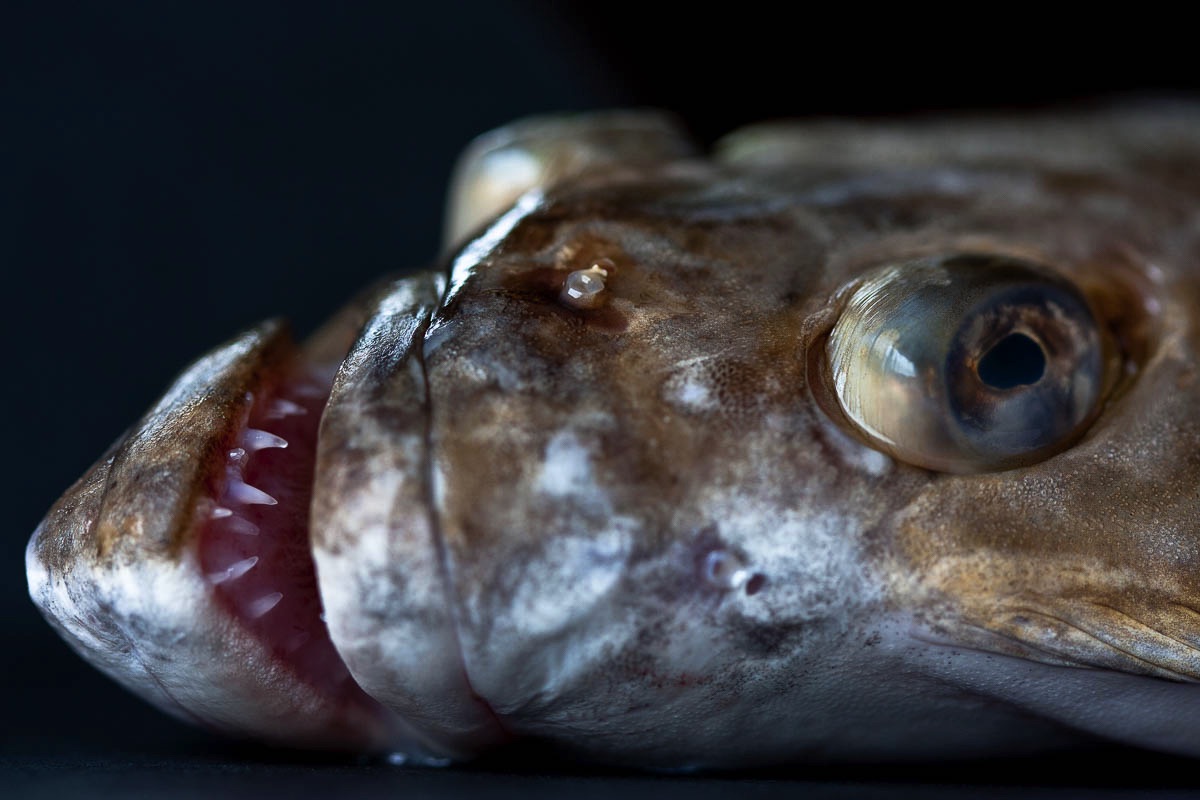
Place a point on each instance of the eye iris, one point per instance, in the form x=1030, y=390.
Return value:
x=1016, y=360
x=966, y=363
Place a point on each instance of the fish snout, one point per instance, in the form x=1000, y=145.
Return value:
x=179, y=565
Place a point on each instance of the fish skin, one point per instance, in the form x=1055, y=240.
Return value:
x=371, y=513
x=517, y=500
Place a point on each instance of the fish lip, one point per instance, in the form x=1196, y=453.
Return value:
x=137, y=501
x=502, y=732
x=431, y=334
x=376, y=533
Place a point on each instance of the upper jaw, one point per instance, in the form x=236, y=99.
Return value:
x=376, y=536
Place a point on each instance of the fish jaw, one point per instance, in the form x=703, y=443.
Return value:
x=375, y=534
x=168, y=569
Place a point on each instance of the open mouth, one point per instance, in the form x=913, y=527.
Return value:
x=182, y=563
x=253, y=536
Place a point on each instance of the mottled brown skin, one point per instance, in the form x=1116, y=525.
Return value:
x=742, y=279
x=160, y=469
x=517, y=498
x=1087, y=558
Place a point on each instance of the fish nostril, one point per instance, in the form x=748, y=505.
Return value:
x=755, y=584
x=729, y=572
x=724, y=570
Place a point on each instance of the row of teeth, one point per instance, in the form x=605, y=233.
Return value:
x=240, y=493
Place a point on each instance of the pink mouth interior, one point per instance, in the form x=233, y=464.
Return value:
x=254, y=542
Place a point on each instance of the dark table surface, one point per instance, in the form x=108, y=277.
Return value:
x=71, y=733
x=170, y=174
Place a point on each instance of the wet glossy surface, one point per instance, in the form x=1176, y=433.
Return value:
x=614, y=528
x=258, y=240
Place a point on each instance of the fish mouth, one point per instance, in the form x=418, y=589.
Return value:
x=181, y=563
x=252, y=537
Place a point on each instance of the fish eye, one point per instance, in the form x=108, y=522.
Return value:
x=967, y=363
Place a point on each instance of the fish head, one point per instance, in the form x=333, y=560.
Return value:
x=850, y=442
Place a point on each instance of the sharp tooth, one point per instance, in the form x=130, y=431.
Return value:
x=220, y=512
x=240, y=492
x=253, y=439
x=313, y=390
x=297, y=641
x=263, y=604
x=241, y=525
x=284, y=408
x=236, y=454
x=234, y=571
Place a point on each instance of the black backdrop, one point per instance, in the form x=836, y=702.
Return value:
x=170, y=173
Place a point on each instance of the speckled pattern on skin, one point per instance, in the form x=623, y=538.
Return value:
x=642, y=531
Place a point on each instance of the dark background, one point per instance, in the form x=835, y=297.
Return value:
x=170, y=173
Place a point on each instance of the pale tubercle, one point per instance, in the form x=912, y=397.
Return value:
x=585, y=288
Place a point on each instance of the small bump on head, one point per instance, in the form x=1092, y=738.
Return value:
x=584, y=288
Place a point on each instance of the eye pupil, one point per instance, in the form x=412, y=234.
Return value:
x=1016, y=360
